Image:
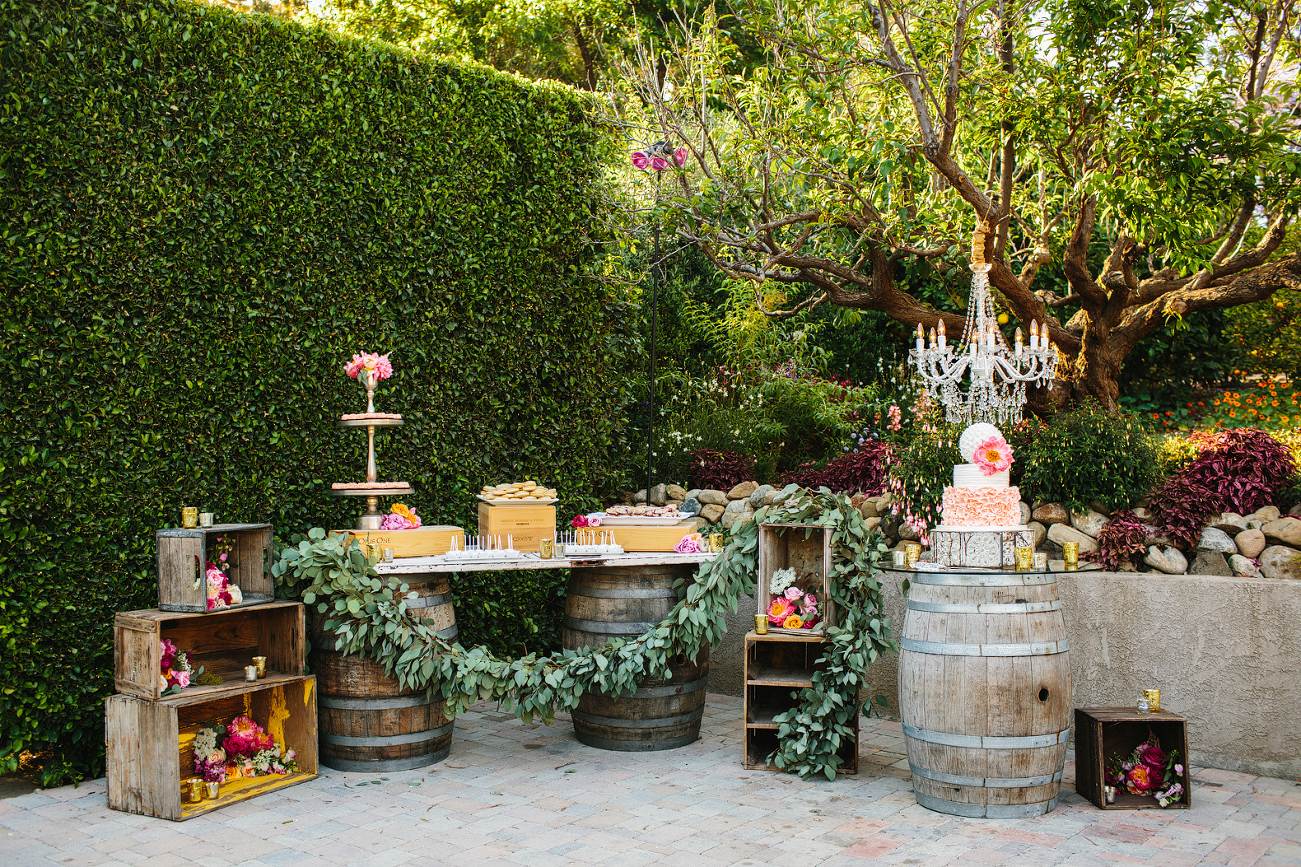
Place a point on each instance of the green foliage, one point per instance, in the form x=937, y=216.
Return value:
x=511, y=613
x=202, y=215
x=920, y=471
x=367, y=614
x=1088, y=455
x=1268, y=335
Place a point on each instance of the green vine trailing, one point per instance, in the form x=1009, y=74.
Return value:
x=367, y=615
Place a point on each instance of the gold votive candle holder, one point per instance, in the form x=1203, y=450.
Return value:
x=1153, y=697
x=715, y=542
x=260, y=663
x=1071, y=553
x=214, y=789
x=189, y=517
x=912, y=553
x=194, y=790
x=546, y=549
x=761, y=624
x=1024, y=558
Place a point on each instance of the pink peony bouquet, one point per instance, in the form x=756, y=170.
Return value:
x=790, y=607
x=1148, y=770
x=240, y=748
x=378, y=365
x=400, y=518
x=581, y=521
x=690, y=544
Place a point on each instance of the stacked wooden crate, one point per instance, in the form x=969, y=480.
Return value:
x=150, y=737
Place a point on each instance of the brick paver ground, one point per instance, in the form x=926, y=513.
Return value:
x=516, y=795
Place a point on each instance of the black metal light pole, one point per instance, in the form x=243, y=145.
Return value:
x=655, y=287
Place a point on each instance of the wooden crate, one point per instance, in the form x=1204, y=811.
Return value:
x=420, y=542
x=150, y=744
x=661, y=537
x=806, y=549
x=222, y=645
x=527, y=525
x=777, y=665
x=183, y=553
x=1104, y=732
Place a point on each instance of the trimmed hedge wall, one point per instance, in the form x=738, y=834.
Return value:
x=202, y=216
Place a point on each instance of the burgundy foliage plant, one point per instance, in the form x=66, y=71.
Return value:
x=862, y=471
x=1182, y=506
x=719, y=471
x=1248, y=468
x=1120, y=538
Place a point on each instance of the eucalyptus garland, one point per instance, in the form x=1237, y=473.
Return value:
x=367, y=614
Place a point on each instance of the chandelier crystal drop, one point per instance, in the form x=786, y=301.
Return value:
x=998, y=373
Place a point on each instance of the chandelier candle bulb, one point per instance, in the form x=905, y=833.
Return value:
x=943, y=336
x=921, y=338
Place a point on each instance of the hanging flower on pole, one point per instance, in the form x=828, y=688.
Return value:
x=659, y=157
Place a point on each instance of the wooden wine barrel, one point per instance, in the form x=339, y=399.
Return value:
x=664, y=713
x=985, y=692
x=367, y=721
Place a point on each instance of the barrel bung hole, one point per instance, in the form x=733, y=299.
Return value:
x=1043, y=693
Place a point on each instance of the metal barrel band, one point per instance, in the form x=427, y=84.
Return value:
x=986, y=607
x=985, y=811
x=428, y=601
x=394, y=703
x=664, y=690
x=985, y=782
x=988, y=742
x=629, y=593
x=608, y=627
x=612, y=722
x=992, y=579
x=942, y=648
x=408, y=763
x=389, y=740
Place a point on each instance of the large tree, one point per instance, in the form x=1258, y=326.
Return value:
x=1145, y=150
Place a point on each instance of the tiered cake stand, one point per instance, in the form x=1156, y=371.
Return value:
x=371, y=489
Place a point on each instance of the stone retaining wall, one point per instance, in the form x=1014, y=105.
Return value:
x=1225, y=653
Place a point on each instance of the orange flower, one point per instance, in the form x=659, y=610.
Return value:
x=793, y=622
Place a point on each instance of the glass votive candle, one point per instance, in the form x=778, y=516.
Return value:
x=1144, y=706
x=761, y=624
x=1040, y=561
x=250, y=672
x=189, y=517
x=1024, y=558
x=900, y=558
x=912, y=553
x=1071, y=553
x=546, y=549
x=388, y=555
x=205, y=519
x=194, y=789
x=260, y=663
x=214, y=789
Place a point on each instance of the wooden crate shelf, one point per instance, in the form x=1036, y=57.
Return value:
x=183, y=553
x=223, y=645
x=149, y=743
x=777, y=665
x=807, y=550
x=1104, y=732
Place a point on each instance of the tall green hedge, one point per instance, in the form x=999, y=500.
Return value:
x=202, y=216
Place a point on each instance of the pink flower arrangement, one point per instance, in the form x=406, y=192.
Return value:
x=690, y=544
x=779, y=610
x=993, y=456
x=1148, y=770
x=401, y=518
x=240, y=748
x=378, y=365
x=581, y=521
x=175, y=668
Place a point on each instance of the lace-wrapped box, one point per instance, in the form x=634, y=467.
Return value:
x=993, y=548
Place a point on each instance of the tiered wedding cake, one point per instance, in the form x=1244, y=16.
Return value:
x=981, y=511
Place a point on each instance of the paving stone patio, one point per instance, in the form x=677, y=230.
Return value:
x=516, y=795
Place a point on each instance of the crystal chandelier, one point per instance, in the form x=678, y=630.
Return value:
x=998, y=373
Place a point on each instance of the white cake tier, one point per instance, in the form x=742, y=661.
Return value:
x=970, y=476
